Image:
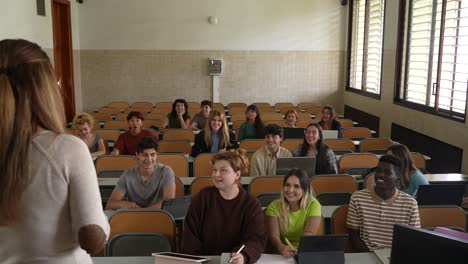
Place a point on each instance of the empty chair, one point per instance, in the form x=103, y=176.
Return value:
x=120, y=105
x=236, y=110
x=179, y=133
x=177, y=162
x=199, y=183
x=333, y=183
x=202, y=165
x=444, y=215
x=252, y=144
x=109, y=135
x=219, y=107
x=237, y=104
x=143, y=220
x=340, y=145
x=271, y=116
x=375, y=145
x=180, y=188
x=362, y=161
x=101, y=116
x=266, y=198
x=116, y=124
x=267, y=110
x=164, y=105
x=291, y=143
x=159, y=116
x=313, y=110
x=238, y=116
x=137, y=244
x=263, y=104
x=333, y=198
x=155, y=124
x=304, y=116
x=110, y=110
x=266, y=184
x=279, y=106
x=356, y=132
x=338, y=224
x=121, y=117
x=175, y=146
x=163, y=111
x=303, y=123
x=345, y=122
x=111, y=162
x=305, y=105
x=137, y=109
x=144, y=105
x=369, y=181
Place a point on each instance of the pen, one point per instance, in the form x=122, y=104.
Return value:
x=238, y=251
x=289, y=244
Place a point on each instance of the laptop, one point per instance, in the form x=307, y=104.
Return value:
x=284, y=165
x=440, y=194
x=293, y=132
x=330, y=134
x=321, y=249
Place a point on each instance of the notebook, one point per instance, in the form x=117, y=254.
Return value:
x=284, y=165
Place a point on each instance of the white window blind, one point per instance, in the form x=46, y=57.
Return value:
x=366, y=45
x=437, y=55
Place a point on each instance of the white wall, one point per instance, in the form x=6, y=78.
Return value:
x=183, y=25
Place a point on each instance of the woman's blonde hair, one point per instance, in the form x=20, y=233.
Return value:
x=284, y=209
x=223, y=132
x=29, y=99
x=83, y=118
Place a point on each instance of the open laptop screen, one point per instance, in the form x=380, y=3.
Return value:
x=283, y=165
x=440, y=194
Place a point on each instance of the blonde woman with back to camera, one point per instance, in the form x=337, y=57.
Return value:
x=50, y=210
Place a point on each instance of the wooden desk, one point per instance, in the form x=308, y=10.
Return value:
x=350, y=258
x=447, y=178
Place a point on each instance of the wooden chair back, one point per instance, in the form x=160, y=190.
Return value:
x=266, y=184
x=199, y=183
x=357, y=160
x=179, y=133
x=333, y=183
x=112, y=162
x=178, y=163
x=444, y=216
x=202, y=165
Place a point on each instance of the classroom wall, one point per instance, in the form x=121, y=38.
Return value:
x=157, y=50
x=451, y=132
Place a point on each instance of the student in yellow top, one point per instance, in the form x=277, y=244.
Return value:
x=297, y=213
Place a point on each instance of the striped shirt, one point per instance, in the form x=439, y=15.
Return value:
x=375, y=217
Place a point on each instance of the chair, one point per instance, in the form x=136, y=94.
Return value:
x=419, y=161
x=121, y=117
x=179, y=133
x=356, y=132
x=180, y=188
x=338, y=224
x=314, y=110
x=303, y=123
x=155, y=124
x=333, y=183
x=110, y=110
x=177, y=162
x=375, y=145
x=237, y=104
x=101, y=116
x=137, y=244
x=357, y=160
x=334, y=198
x=304, y=116
x=164, y=105
x=444, y=216
x=143, y=220
x=252, y=144
x=237, y=116
x=202, y=165
x=199, y=183
x=304, y=106
x=155, y=116
x=145, y=105
x=110, y=173
x=236, y=110
x=266, y=198
x=219, y=107
x=116, y=124
x=279, y=106
x=279, y=122
x=345, y=122
x=340, y=145
x=369, y=181
x=266, y=184
x=264, y=110
x=271, y=116
x=137, y=109
x=109, y=135
x=175, y=146
x=120, y=105
x=110, y=162
x=291, y=143
x=263, y=105
x=163, y=111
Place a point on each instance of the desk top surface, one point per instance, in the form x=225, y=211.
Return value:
x=350, y=258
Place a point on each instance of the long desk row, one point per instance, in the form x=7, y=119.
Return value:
x=350, y=258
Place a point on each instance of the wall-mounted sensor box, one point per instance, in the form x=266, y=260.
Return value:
x=215, y=66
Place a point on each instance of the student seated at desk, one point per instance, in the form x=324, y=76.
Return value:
x=372, y=213
x=291, y=118
x=263, y=162
x=297, y=213
x=126, y=143
x=215, y=137
x=146, y=185
x=253, y=127
x=313, y=146
x=83, y=123
x=179, y=116
x=329, y=121
x=411, y=177
x=223, y=217
x=199, y=120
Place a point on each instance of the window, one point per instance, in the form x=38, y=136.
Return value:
x=365, y=45
x=434, y=58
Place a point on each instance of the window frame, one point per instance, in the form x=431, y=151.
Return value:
x=402, y=59
x=363, y=91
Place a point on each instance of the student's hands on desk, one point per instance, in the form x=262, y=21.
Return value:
x=287, y=251
x=237, y=258
x=128, y=205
